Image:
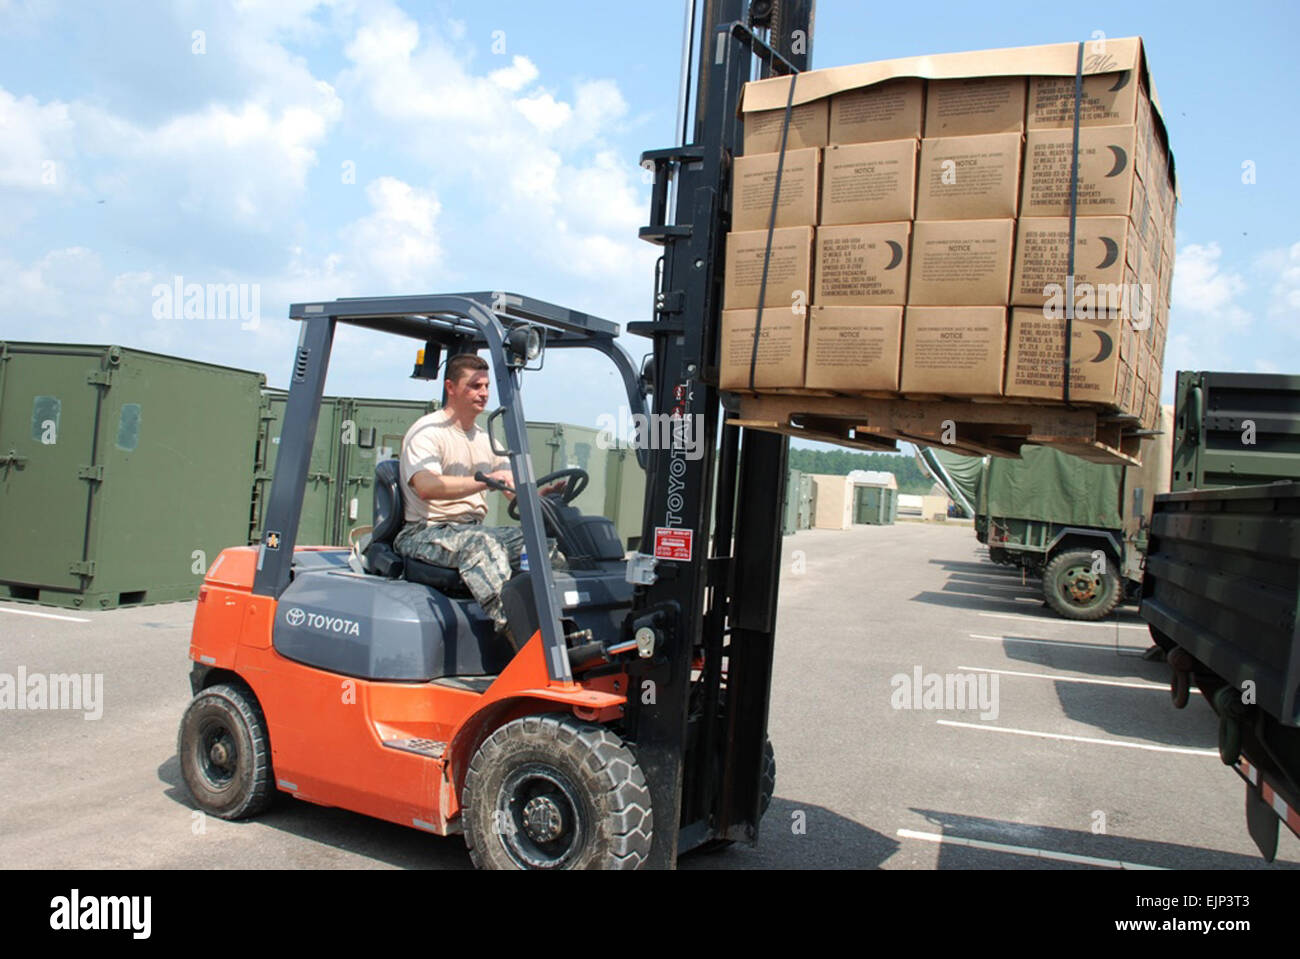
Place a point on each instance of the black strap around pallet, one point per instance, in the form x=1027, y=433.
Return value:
x=1074, y=215
x=771, y=226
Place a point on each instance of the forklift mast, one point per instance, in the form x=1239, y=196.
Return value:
x=708, y=572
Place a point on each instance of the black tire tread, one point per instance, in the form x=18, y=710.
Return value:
x=1065, y=609
x=245, y=704
x=601, y=753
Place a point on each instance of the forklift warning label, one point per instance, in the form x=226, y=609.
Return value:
x=673, y=543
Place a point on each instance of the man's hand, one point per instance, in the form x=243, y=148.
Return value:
x=557, y=487
x=506, y=477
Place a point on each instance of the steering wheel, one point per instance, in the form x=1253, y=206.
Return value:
x=575, y=481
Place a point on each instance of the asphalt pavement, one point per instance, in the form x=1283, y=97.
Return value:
x=1063, y=750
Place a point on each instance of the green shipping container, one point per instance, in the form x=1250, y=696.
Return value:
x=351, y=436
x=875, y=505
x=122, y=473
x=798, y=502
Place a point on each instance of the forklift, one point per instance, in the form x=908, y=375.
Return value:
x=629, y=725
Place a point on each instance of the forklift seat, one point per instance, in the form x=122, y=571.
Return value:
x=382, y=558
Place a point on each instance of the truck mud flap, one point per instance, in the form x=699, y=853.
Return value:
x=1265, y=808
x=1261, y=823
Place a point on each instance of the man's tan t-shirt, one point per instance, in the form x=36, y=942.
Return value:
x=435, y=442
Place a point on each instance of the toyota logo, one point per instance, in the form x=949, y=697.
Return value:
x=295, y=617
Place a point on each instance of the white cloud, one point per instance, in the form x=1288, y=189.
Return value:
x=1283, y=267
x=205, y=163
x=541, y=161
x=397, y=244
x=35, y=142
x=515, y=77
x=1202, y=286
x=544, y=112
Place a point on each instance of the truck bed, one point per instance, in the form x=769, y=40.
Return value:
x=1223, y=582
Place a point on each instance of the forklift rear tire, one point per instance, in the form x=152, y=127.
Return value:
x=225, y=753
x=553, y=792
x=1075, y=592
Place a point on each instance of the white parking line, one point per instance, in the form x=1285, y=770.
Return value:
x=1185, y=750
x=1023, y=850
x=1065, y=679
x=1101, y=647
x=1064, y=622
x=32, y=612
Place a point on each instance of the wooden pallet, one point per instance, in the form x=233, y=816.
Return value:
x=878, y=423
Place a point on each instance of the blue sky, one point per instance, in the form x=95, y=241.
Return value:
x=370, y=147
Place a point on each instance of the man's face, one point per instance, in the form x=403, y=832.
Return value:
x=471, y=392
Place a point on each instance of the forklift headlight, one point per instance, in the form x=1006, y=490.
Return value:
x=525, y=344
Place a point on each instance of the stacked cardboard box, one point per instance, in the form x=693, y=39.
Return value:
x=922, y=230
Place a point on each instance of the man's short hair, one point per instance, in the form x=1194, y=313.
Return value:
x=462, y=364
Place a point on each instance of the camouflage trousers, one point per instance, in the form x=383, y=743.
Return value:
x=486, y=556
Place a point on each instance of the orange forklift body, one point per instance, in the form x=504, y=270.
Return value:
x=331, y=735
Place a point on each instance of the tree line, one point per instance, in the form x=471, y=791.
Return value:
x=840, y=462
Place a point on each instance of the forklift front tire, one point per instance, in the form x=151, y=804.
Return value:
x=225, y=753
x=553, y=792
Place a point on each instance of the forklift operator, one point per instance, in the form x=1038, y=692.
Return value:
x=444, y=505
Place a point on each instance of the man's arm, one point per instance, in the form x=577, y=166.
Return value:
x=423, y=455
x=435, y=486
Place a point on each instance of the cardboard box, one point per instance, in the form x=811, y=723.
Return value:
x=781, y=337
x=1105, y=172
x=1126, y=172
x=754, y=178
x=1103, y=245
x=961, y=263
x=789, y=278
x=1127, y=387
x=954, y=350
x=1151, y=418
x=808, y=128
x=862, y=264
x=1035, y=358
x=869, y=182
x=854, y=348
x=893, y=110
x=1109, y=99
x=969, y=178
x=1128, y=345
x=976, y=105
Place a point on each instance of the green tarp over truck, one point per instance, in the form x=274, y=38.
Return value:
x=1043, y=485
x=962, y=472
x=1054, y=487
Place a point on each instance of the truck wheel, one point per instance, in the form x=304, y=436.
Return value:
x=553, y=792
x=1075, y=591
x=225, y=753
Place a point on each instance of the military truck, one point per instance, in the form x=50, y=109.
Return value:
x=1080, y=526
x=1222, y=580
